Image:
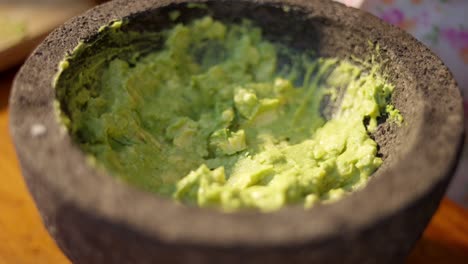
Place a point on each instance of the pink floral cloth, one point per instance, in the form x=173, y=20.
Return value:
x=443, y=26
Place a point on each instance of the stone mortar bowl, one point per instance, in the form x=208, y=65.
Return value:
x=98, y=219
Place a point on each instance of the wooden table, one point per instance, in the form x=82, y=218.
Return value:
x=23, y=239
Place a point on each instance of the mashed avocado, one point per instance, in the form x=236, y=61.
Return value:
x=215, y=115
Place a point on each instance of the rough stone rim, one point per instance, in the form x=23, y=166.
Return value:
x=115, y=202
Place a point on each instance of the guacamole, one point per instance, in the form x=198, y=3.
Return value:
x=216, y=115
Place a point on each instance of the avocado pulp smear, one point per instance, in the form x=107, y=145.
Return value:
x=218, y=116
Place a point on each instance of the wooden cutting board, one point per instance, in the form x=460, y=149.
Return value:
x=24, y=23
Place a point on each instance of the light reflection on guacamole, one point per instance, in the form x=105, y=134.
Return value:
x=214, y=118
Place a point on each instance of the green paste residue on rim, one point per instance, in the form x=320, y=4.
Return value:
x=208, y=113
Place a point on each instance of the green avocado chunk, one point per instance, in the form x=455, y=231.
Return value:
x=212, y=116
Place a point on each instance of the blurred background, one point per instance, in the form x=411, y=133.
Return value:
x=24, y=23
x=440, y=24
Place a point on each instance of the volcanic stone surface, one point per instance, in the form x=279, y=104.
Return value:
x=95, y=218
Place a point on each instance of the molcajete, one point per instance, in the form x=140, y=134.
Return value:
x=96, y=218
